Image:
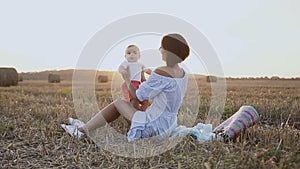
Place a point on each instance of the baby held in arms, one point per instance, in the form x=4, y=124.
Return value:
x=136, y=70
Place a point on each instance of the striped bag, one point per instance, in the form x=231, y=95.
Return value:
x=246, y=117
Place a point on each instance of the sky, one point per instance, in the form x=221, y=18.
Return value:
x=252, y=38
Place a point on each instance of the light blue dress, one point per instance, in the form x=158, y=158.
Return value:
x=160, y=118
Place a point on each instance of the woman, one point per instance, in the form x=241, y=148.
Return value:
x=166, y=87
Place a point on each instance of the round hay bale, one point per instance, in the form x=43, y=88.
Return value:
x=211, y=79
x=275, y=78
x=102, y=79
x=53, y=78
x=8, y=77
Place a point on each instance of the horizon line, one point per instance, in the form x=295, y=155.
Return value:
x=262, y=76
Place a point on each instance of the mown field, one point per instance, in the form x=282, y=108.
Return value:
x=31, y=137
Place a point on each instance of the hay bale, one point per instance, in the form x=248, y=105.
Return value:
x=102, y=79
x=53, y=78
x=275, y=78
x=8, y=77
x=211, y=79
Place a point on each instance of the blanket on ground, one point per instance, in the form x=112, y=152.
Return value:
x=244, y=118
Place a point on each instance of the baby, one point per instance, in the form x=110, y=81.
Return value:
x=136, y=69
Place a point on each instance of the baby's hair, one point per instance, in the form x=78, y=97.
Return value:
x=129, y=46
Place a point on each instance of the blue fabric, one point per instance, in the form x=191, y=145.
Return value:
x=160, y=118
x=201, y=132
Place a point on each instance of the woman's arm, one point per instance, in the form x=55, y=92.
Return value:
x=134, y=101
x=124, y=70
x=126, y=76
x=143, y=78
x=131, y=89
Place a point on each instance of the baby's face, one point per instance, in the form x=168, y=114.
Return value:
x=132, y=54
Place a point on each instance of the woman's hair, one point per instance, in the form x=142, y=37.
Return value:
x=176, y=47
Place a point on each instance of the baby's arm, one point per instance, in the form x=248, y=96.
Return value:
x=122, y=68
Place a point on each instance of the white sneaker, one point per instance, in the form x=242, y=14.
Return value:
x=72, y=130
x=76, y=122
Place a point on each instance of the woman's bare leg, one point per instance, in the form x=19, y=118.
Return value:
x=125, y=109
x=109, y=114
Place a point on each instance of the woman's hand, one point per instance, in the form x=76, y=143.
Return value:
x=136, y=104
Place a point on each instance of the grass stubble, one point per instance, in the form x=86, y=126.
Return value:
x=31, y=137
